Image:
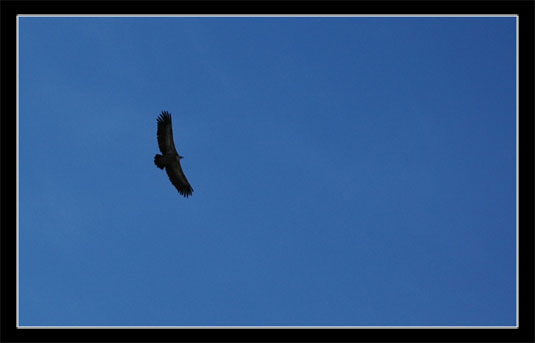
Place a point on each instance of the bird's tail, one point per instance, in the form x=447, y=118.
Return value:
x=158, y=161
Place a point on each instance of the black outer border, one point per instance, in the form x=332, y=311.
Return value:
x=524, y=9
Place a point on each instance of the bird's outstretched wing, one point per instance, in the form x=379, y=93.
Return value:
x=178, y=179
x=165, y=133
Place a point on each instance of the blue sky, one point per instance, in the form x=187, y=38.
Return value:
x=346, y=171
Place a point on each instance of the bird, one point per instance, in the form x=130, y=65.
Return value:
x=170, y=159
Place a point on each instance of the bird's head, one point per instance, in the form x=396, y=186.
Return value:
x=180, y=157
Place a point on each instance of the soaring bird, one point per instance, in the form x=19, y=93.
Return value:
x=170, y=159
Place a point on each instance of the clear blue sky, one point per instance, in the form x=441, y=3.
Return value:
x=347, y=171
